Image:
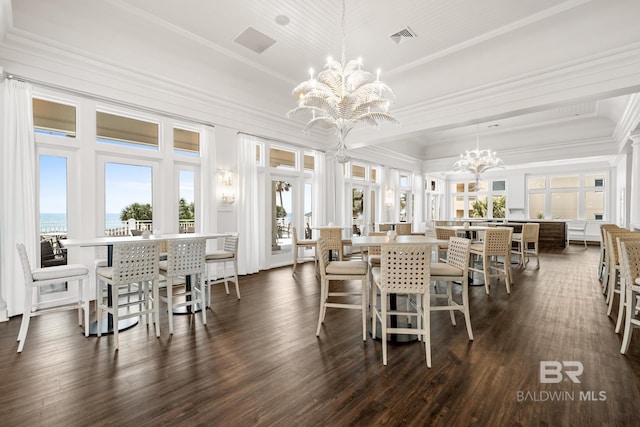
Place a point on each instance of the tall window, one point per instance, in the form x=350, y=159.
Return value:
x=578, y=196
x=128, y=198
x=488, y=200
x=186, y=201
x=282, y=190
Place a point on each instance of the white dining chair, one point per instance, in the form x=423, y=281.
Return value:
x=454, y=270
x=404, y=269
x=132, y=263
x=185, y=266
x=630, y=264
x=39, y=277
x=331, y=271
x=227, y=256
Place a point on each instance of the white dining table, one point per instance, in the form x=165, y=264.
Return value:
x=107, y=326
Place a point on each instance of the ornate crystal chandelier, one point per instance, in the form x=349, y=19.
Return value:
x=343, y=95
x=477, y=161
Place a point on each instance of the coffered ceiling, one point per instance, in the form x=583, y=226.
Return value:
x=533, y=79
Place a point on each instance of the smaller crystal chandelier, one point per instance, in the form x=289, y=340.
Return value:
x=343, y=95
x=477, y=161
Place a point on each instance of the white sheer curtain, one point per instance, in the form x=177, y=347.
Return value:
x=320, y=190
x=18, y=210
x=335, y=201
x=208, y=184
x=251, y=238
x=418, y=202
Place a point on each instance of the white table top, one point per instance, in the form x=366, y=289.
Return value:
x=463, y=228
x=110, y=240
x=326, y=227
x=380, y=240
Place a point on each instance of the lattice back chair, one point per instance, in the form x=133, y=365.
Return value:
x=496, y=244
x=443, y=234
x=185, y=265
x=385, y=227
x=630, y=265
x=133, y=262
x=341, y=271
x=45, y=276
x=603, y=272
x=456, y=269
x=404, y=269
x=228, y=255
x=333, y=240
x=611, y=283
x=303, y=244
x=403, y=228
x=529, y=235
x=618, y=239
x=373, y=252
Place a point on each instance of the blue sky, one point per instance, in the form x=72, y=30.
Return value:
x=125, y=184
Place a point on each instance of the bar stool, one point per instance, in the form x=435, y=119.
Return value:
x=185, y=261
x=341, y=270
x=302, y=244
x=133, y=262
x=228, y=254
x=35, y=279
x=404, y=269
x=529, y=235
x=497, y=243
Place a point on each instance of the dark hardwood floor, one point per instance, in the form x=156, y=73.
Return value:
x=258, y=362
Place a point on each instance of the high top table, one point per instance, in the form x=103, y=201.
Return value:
x=108, y=241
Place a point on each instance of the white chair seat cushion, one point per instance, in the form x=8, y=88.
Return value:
x=59, y=271
x=353, y=268
x=219, y=254
x=105, y=272
x=307, y=242
x=163, y=265
x=444, y=270
x=477, y=247
x=374, y=259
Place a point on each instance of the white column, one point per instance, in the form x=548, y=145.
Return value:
x=635, y=180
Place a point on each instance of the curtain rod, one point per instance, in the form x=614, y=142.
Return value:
x=94, y=97
x=281, y=141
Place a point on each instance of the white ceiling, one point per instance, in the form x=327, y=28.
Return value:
x=533, y=78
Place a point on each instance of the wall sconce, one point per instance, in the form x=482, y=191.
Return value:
x=227, y=191
x=388, y=198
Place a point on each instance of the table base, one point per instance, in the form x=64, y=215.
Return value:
x=107, y=329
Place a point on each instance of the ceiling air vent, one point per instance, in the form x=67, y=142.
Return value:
x=404, y=34
x=254, y=40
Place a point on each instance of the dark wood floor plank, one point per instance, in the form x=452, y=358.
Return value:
x=258, y=361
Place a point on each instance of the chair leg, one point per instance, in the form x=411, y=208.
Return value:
x=486, y=266
x=26, y=318
x=364, y=308
x=374, y=313
x=612, y=292
x=323, y=285
x=426, y=337
x=450, y=304
x=621, y=305
x=295, y=259
x=156, y=305
x=201, y=295
x=115, y=313
x=170, y=303
x=383, y=322
x=628, y=327
x=235, y=277
x=465, y=308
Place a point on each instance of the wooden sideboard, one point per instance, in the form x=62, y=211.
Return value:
x=553, y=233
